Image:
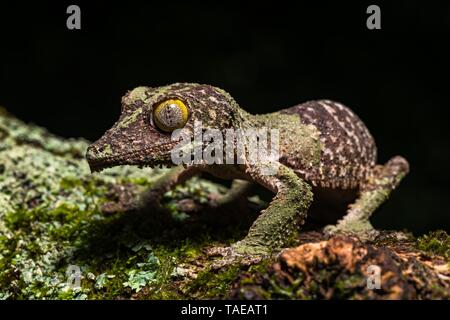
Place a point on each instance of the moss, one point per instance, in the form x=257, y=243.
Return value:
x=266, y=283
x=436, y=242
x=51, y=219
x=346, y=287
x=210, y=284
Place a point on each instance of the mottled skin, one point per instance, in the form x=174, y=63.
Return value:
x=323, y=145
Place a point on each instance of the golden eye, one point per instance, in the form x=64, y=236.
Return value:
x=170, y=115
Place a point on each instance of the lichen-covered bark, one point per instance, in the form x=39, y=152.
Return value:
x=55, y=216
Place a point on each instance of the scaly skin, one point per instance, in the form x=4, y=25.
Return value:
x=323, y=144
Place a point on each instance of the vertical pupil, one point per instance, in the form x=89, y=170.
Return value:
x=170, y=114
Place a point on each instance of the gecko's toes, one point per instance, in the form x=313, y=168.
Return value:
x=361, y=229
x=233, y=256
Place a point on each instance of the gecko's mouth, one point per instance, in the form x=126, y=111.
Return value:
x=141, y=158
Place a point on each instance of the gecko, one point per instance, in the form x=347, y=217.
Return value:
x=323, y=148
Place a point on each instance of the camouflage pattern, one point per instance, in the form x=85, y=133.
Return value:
x=323, y=144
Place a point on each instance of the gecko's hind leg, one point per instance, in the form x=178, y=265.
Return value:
x=238, y=190
x=379, y=185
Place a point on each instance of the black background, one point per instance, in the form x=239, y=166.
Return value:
x=268, y=55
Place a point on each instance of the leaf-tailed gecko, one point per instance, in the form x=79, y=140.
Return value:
x=323, y=145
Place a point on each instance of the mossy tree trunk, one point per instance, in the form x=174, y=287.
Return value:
x=69, y=234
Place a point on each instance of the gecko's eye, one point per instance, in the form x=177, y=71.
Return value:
x=170, y=115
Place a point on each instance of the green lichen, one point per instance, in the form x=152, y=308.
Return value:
x=51, y=220
x=49, y=200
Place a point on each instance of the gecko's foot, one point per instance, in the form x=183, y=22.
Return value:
x=362, y=229
x=122, y=199
x=244, y=248
x=232, y=255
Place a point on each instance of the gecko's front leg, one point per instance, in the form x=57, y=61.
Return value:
x=166, y=182
x=276, y=225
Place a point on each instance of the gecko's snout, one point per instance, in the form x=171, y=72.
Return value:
x=92, y=156
x=91, y=153
x=95, y=157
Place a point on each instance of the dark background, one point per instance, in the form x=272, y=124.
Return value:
x=267, y=55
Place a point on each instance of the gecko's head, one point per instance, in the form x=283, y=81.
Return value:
x=143, y=134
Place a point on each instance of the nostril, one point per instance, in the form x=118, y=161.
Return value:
x=91, y=152
x=98, y=151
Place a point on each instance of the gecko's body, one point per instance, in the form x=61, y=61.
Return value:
x=323, y=145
